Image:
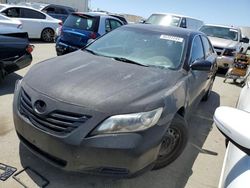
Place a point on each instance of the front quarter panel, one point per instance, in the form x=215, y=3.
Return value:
x=236, y=169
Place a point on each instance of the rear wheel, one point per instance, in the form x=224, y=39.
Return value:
x=173, y=143
x=47, y=35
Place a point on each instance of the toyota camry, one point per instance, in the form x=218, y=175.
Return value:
x=119, y=106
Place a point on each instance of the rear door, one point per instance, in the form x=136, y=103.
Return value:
x=33, y=22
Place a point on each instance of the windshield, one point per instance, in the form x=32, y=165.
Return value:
x=80, y=22
x=148, y=48
x=165, y=20
x=221, y=32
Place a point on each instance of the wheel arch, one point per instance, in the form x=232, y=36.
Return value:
x=54, y=32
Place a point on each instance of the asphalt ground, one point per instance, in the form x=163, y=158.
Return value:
x=199, y=166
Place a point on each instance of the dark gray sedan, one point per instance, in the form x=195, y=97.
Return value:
x=119, y=106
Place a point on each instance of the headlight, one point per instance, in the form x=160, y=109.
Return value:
x=229, y=52
x=18, y=84
x=129, y=122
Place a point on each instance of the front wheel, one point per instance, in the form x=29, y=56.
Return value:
x=173, y=143
x=47, y=35
x=1, y=74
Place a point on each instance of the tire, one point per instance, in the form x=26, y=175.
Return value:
x=1, y=74
x=175, y=139
x=226, y=142
x=47, y=35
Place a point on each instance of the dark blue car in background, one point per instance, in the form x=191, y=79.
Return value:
x=58, y=11
x=78, y=28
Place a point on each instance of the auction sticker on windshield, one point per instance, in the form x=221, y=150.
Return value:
x=172, y=38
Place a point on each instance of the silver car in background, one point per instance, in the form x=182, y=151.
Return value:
x=227, y=41
x=167, y=19
x=235, y=125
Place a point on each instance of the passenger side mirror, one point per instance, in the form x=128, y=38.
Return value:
x=234, y=125
x=201, y=65
x=245, y=40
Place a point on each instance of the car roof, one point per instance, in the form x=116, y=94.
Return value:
x=182, y=32
x=225, y=26
x=179, y=15
x=93, y=14
x=61, y=6
x=19, y=6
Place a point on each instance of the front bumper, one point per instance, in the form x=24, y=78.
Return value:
x=225, y=61
x=62, y=48
x=121, y=155
x=20, y=63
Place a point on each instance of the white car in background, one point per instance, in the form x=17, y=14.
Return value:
x=37, y=24
x=235, y=125
x=5, y=21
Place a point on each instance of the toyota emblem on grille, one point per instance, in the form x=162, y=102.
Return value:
x=40, y=107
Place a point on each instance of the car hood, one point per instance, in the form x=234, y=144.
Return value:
x=223, y=43
x=100, y=83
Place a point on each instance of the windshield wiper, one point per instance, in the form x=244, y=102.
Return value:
x=90, y=51
x=123, y=59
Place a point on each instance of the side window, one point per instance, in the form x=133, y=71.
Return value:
x=107, y=26
x=111, y=24
x=183, y=23
x=207, y=46
x=61, y=11
x=114, y=24
x=13, y=12
x=197, y=52
x=50, y=10
x=32, y=14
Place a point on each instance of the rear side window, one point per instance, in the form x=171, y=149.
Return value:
x=49, y=10
x=61, y=11
x=111, y=24
x=197, y=52
x=32, y=14
x=13, y=12
x=79, y=22
x=207, y=46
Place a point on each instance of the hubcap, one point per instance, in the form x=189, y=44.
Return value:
x=170, y=142
x=47, y=35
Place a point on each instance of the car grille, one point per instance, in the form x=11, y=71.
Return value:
x=56, y=122
x=218, y=50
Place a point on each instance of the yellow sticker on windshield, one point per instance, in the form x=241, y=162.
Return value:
x=172, y=38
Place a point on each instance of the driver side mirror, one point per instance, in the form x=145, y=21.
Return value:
x=245, y=40
x=234, y=125
x=201, y=65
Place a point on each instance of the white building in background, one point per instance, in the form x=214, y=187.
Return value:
x=80, y=5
